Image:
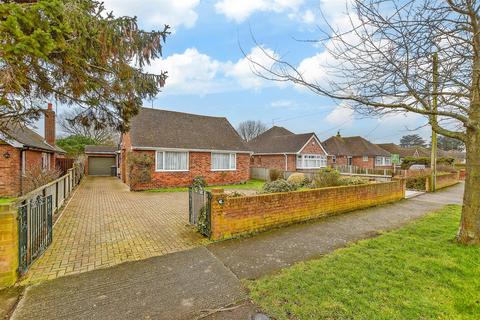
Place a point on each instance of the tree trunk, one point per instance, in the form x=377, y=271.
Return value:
x=469, y=232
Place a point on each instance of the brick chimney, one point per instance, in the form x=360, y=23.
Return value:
x=50, y=125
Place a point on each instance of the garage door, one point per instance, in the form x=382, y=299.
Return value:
x=100, y=166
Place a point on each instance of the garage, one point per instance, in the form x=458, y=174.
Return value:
x=101, y=160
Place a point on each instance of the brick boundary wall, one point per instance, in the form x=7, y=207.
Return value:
x=8, y=245
x=444, y=180
x=231, y=217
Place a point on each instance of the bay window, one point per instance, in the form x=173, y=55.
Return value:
x=311, y=161
x=223, y=161
x=171, y=161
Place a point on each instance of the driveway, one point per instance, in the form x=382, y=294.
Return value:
x=105, y=224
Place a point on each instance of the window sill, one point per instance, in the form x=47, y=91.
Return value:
x=172, y=170
x=217, y=170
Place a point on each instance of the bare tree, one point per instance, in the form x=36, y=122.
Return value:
x=251, y=129
x=382, y=62
x=71, y=123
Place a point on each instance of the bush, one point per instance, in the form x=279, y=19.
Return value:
x=275, y=174
x=327, y=177
x=352, y=181
x=35, y=176
x=140, y=168
x=278, y=186
x=298, y=179
x=417, y=183
x=235, y=194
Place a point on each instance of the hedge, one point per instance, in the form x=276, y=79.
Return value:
x=408, y=161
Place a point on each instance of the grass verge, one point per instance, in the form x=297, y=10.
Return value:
x=6, y=200
x=417, y=272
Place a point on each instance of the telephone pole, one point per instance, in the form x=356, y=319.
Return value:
x=433, y=160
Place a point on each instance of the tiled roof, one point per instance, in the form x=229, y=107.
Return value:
x=405, y=152
x=168, y=129
x=29, y=138
x=279, y=140
x=353, y=146
x=100, y=149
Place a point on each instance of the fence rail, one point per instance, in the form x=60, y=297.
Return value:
x=35, y=215
x=60, y=189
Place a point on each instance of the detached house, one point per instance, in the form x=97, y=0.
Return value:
x=356, y=151
x=182, y=146
x=279, y=148
x=22, y=150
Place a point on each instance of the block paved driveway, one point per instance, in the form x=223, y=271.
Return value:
x=105, y=224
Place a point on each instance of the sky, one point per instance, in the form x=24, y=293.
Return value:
x=209, y=74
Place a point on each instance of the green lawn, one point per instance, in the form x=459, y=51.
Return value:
x=6, y=200
x=417, y=272
x=249, y=185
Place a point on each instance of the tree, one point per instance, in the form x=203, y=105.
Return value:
x=450, y=144
x=382, y=62
x=412, y=140
x=99, y=135
x=75, y=145
x=76, y=53
x=250, y=129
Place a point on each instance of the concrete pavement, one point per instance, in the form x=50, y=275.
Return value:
x=201, y=281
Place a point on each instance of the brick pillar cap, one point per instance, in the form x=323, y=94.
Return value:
x=50, y=106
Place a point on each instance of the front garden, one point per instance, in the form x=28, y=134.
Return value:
x=417, y=272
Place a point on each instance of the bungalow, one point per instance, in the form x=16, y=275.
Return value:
x=356, y=151
x=169, y=149
x=279, y=148
x=402, y=152
x=22, y=150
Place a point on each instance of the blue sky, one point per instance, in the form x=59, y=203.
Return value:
x=209, y=75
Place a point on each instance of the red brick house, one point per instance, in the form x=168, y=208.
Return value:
x=279, y=148
x=182, y=146
x=22, y=149
x=356, y=151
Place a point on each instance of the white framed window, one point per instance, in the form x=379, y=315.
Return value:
x=383, y=161
x=311, y=161
x=224, y=161
x=334, y=159
x=45, y=161
x=365, y=158
x=171, y=161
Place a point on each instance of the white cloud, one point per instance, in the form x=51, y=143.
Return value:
x=157, y=12
x=240, y=10
x=243, y=69
x=193, y=72
x=342, y=114
x=190, y=72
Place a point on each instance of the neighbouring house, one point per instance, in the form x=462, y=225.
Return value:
x=356, y=151
x=169, y=149
x=279, y=148
x=402, y=152
x=421, y=152
x=23, y=151
x=101, y=160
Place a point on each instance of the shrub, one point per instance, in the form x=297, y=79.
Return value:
x=140, y=168
x=351, y=181
x=35, y=176
x=417, y=183
x=235, y=194
x=298, y=179
x=278, y=186
x=275, y=174
x=327, y=177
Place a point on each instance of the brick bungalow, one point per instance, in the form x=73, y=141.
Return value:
x=356, y=151
x=421, y=152
x=22, y=149
x=279, y=148
x=183, y=146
